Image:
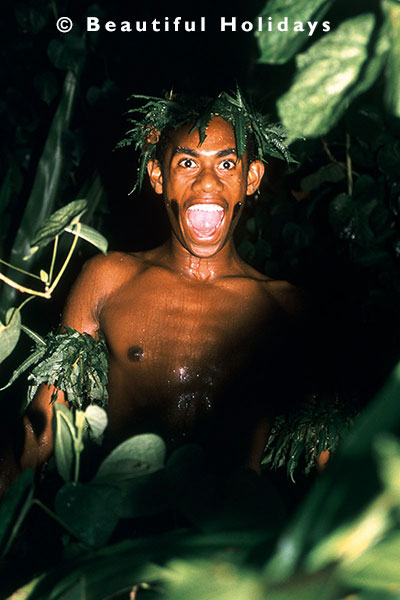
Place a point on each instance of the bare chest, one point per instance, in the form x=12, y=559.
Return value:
x=180, y=327
x=176, y=349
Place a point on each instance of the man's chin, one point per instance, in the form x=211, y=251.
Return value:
x=204, y=250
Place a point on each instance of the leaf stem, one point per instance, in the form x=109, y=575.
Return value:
x=348, y=166
x=60, y=521
x=53, y=259
x=18, y=269
x=71, y=250
x=24, y=302
x=22, y=288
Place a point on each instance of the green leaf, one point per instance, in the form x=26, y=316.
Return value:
x=330, y=75
x=350, y=540
x=9, y=333
x=90, y=235
x=134, y=467
x=44, y=276
x=97, y=420
x=67, y=51
x=330, y=173
x=31, y=360
x=30, y=18
x=57, y=222
x=278, y=47
x=64, y=435
x=377, y=568
x=46, y=84
x=23, y=592
x=136, y=456
x=201, y=579
x=350, y=216
x=387, y=448
x=13, y=508
x=33, y=335
x=389, y=159
x=91, y=511
x=391, y=9
x=297, y=236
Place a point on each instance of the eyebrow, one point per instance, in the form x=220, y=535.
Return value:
x=195, y=154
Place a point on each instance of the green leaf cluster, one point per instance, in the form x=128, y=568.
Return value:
x=73, y=362
x=302, y=434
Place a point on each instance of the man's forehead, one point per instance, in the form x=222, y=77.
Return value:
x=220, y=136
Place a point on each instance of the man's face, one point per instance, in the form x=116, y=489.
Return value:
x=204, y=186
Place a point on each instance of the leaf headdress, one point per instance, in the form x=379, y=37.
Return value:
x=174, y=110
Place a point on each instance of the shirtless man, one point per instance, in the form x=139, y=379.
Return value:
x=192, y=330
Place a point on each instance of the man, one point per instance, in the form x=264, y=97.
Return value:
x=200, y=344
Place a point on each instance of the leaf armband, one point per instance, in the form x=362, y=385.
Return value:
x=298, y=437
x=74, y=363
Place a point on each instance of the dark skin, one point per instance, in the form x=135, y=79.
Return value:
x=185, y=323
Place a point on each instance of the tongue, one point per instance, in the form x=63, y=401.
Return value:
x=204, y=222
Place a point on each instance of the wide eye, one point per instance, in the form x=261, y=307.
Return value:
x=187, y=163
x=226, y=164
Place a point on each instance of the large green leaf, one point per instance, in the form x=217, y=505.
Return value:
x=202, y=579
x=135, y=467
x=136, y=456
x=377, y=568
x=13, y=508
x=332, y=72
x=57, y=222
x=278, y=46
x=391, y=9
x=91, y=511
x=63, y=433
x=9, y=333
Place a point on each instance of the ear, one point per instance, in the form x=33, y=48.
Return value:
x=155, y=175
x=254, y=176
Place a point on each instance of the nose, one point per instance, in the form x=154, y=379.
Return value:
x=207, y=180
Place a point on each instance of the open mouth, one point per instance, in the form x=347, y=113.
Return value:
x=205, y=219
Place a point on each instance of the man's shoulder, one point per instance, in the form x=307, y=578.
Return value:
x=114, y=263
x=106, y=273
x=289, y=297
x=280, y=292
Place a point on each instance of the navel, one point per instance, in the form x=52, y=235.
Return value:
x=135, y=353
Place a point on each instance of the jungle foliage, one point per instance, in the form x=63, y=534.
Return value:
x=143, y=525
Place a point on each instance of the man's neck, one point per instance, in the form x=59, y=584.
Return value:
x=225, y=262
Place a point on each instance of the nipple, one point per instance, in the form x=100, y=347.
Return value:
x=135, y=353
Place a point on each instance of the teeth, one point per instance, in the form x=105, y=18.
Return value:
x=206, y=207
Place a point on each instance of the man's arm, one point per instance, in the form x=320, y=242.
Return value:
x=81, y=313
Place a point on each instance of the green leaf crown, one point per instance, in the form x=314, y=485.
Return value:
x=175, y=110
